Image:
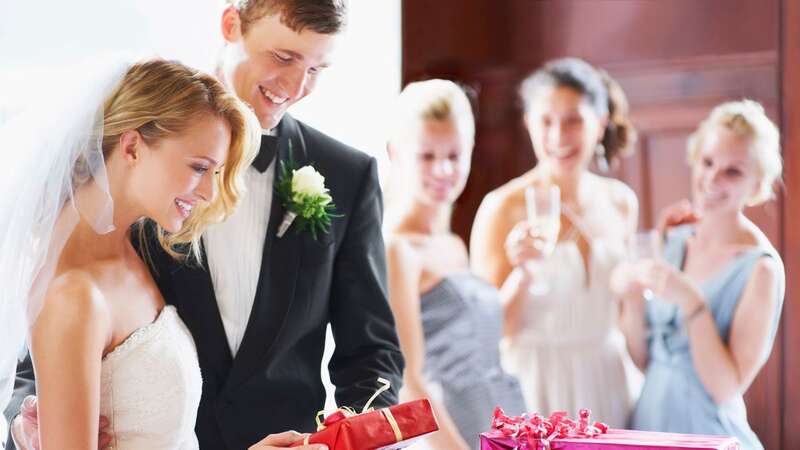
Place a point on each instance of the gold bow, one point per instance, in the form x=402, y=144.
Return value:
x=349, y=412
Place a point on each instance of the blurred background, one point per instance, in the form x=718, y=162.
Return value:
x=675, y=60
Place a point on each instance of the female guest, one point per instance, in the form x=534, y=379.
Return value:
x=719, y=290
x=448, y=320
x=564, y=345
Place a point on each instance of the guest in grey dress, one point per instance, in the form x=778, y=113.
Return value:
x=719, y=290
x=448, y=320
x=461, y=317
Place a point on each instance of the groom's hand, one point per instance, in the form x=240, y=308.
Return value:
x=25, y=428
x=284, y=440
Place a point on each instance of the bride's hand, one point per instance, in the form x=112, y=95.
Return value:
x=25, y=427
x=284, y=440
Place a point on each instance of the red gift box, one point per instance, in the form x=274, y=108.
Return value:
x=385, y=429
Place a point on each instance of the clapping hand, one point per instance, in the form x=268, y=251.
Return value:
x=630, y=279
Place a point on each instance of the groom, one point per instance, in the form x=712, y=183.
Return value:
x=259, y=307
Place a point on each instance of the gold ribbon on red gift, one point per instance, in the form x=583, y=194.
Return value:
x=344, y=412
x=392, y=423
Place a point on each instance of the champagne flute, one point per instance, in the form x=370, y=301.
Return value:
x=543, y=206
x=644, y=245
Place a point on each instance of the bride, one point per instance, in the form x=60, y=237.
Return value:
x=151, y=146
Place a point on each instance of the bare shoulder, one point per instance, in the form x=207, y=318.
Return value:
x=73, y=301
x=400, y=251
x=767, y=276
x=621, y=195
x=492, y=202
x=766, y=270
x=514, y=188
x=457, y=243
x=504, y=198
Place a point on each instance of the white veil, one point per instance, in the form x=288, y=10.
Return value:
x=52, y=174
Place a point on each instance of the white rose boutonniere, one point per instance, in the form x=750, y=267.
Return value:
x=307, y=182
x=303, y=194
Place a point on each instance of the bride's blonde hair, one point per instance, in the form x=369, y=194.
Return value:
x=161, y=98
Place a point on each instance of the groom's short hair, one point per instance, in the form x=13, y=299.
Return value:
x=320, y=16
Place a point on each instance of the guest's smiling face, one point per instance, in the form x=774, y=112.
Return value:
x=564, y=129
x=271, y=66
x=725, y=176
x=438, y=162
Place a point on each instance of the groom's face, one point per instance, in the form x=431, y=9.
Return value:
x=271, y=66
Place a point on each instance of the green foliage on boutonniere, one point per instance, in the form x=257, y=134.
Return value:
x=303, y=194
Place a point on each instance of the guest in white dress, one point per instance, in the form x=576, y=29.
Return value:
x=562, y=341
x=154, y=141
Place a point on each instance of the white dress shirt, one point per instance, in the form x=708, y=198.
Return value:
x=234, y=249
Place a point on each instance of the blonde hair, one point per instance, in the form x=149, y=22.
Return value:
x=746, y=119
x=434, y=100
x=161, y=98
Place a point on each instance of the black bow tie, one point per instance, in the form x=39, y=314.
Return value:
x=269, y=146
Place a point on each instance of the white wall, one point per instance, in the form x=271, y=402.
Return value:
x=352, y=97
x=36, y=37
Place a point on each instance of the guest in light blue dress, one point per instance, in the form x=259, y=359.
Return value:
x=719, y=290
x=674, y=398
x=448, y=320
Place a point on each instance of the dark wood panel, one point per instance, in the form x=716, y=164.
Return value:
x=700, y=79
x=450, y=36
x=665, y=172
x=502, y=147
x=607, y=31
x=790, y=124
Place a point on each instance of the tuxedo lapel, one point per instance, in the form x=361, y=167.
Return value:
x=278, y=276
x=197, y=305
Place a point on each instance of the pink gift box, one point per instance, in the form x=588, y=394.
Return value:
x=615, y=440
x=559, y=432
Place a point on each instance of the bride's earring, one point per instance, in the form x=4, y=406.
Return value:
x=600, y=157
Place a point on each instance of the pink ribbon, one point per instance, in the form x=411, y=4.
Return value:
x=529, y=430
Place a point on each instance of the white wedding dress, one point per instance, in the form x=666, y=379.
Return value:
x=151, y=387
x=569, y=353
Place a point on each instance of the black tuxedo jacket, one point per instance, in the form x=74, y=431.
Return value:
x=273, y=384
